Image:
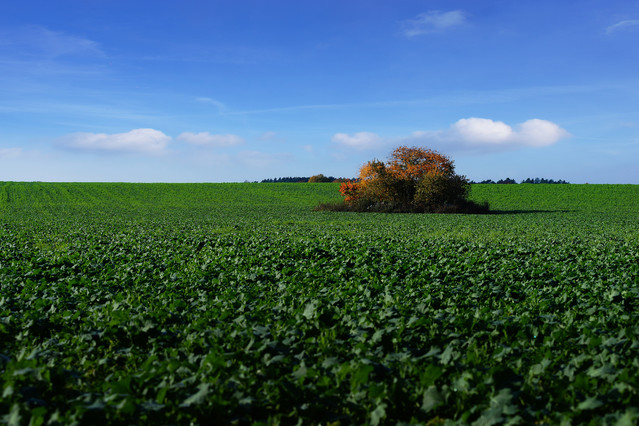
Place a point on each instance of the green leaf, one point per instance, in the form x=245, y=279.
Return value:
x=378, y=414
x=629, y=418
x=161, y=394
x=589, y=404
x=603, y=371
x=301, y=371
x=360, y=376
x=151, y=405
x=447, y=355
x=197, y=398
x=432, y=399
x=309, y=310
x=14, y=417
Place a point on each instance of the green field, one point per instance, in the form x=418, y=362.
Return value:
x=178, y=303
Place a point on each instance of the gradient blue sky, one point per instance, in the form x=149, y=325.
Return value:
x=219, y=91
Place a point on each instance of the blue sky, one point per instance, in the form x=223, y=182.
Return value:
x=220, y=91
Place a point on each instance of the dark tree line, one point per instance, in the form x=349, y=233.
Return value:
x=538, y=180
x=286, y=180
x=529, y=180
x=316, y=178
x=322, y=178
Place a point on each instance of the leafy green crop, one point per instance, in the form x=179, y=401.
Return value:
x=178, y=303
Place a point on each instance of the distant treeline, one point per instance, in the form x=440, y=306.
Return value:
x=316, y=178
x=286, y=179
x=322, y=178
x=529, y=180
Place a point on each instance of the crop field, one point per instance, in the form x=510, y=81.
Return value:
x=181, y=303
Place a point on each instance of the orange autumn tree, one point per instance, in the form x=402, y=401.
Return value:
x=412, y=180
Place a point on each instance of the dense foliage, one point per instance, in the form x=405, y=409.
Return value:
x=178, y=303
x=413, y=180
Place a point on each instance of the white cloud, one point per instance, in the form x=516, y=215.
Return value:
x=145, y=141
x=10, y=153
x=207, y=139
x=538, y=132
x=631, y=24
x=433, y=21
x=488, y=135
x=361, y=140
x=467, y=134
x=481, y=130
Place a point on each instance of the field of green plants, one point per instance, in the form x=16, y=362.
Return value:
x=182, y=303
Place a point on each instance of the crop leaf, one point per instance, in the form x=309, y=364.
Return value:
x=589, y=404
x=197, y=398
x=432, y=399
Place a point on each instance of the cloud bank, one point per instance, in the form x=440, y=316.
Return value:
x=483, y=132
x=142, y=141
x=209, y=140
x=467, y=134
x=432, y=22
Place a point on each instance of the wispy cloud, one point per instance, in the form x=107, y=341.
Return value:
x=221, y=108
x=468, y=134
x=142, y=141
x=39, y=51
x=6, y=153
x=455, y=98
x=627, y=25
x=40, y=42
x=432, y=22
x=210, y=140
x=359, y=141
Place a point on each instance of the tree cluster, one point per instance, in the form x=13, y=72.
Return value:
x=529, y=180
x=320, y=178
x=542, y=180
x=413, y=180
x=286, y=180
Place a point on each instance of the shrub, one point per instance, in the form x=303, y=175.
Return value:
x=413, y=180
x=320, y=179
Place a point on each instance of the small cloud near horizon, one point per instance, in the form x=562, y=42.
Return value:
x=433, y=21
x=141, y=141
